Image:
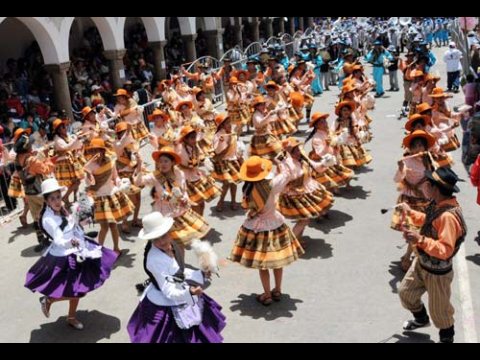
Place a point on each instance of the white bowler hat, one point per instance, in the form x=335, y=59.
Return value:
x=154, y=226
x=51, y=185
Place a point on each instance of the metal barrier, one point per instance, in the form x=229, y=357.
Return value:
x=235, y=54
x=253, y=49
x=215, y=65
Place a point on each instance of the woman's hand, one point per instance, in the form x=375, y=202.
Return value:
x=196, y=290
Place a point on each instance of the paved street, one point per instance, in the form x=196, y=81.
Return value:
x=344, y=289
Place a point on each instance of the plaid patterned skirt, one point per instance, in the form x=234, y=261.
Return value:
x=139, y=131
x=189, y=226
x=113, y=208
x=418, y=204
x=306, y=205
x=272, y=249
x=283, y=127
x=453, y=144
x=204, y=189
x=226, y=170
x=15, y=189
x=354, y=155
x=68, y=171
x=266, y=146
x=241, y=116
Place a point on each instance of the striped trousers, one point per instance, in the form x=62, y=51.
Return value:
x=416, y=282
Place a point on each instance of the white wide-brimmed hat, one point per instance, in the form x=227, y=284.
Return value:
x=154, y=226
x=51, y=185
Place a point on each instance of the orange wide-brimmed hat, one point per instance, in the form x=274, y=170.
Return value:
x=422, y=107
x=19, y=132
x=439, y=93
x=297, y=99
x=181, y=103
x=290, y=142
x=426, y=121
x=121, y=126
x=272, y=84
x=255, y=169
x=57, y=122
x=85, y=111
x=419, y=134
x=185, y=131
x=166, y=150
x=97, y=143
x=342, y=104
x=158, y=113
x=121, y=92
x=220, y=118
x=258, y=100
x=316, y=116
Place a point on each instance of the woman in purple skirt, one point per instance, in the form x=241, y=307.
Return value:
x=73, y=265
x=173, y=308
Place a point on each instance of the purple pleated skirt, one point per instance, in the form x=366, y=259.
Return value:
x=152, y=323
x=63, y=276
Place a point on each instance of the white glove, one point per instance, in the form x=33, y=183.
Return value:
x=140, y=109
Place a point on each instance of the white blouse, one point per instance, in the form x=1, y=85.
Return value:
x=171, y=293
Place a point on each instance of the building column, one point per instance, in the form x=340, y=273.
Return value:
x=215, y=43
x=281, y=25
x=292, y=26
x=310, y=22
x=300, y=23
x=117, y=69
x=238, y=32
x=269, y=24
x=191, y=51
x=61, y=92
x=255, y=29
x=159, y=59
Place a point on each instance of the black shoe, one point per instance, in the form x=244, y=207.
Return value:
x=446, y=335
x=416, y=323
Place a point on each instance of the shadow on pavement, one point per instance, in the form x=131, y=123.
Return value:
x=317, y=248
x=474, y=258
x=29, y=252
x=398, y=275
x=249, y=306
x=213, y=236
x=27, y=230
x=97, y=326
x=126, y=260
x=335, y=219
x=409, y=337
x=227, y=213
x=363, y=170
x=355, y=192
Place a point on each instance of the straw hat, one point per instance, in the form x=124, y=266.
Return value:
x=233, y=80
x=419, y=134
x=155, y=225
x=255, y=169
x=166, y=150
x=158, y=113
x=415, y=117
x=51, y=185
x=316, y=117
x=342, y=104
x=181, y=103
